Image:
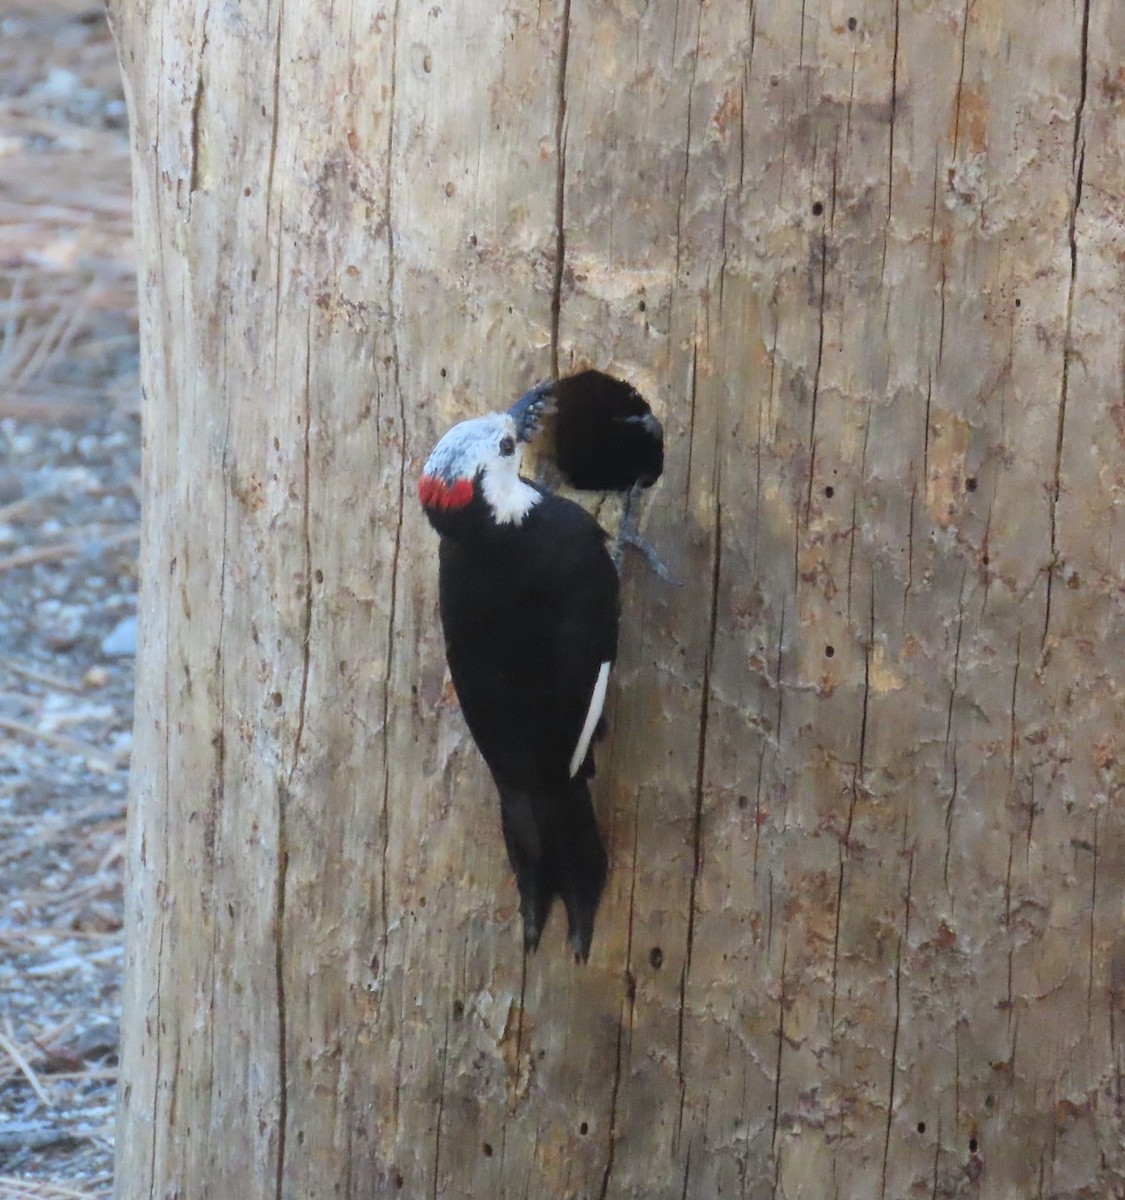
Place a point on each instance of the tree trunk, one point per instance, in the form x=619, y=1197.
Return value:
x=863, y=791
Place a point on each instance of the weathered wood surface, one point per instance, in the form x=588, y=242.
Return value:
x=864, y=795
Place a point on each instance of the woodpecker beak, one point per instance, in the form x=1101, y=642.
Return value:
x=530, y=409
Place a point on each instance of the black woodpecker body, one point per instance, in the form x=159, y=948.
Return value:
x=529, y=609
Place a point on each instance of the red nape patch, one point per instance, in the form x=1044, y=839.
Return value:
x=436, y=493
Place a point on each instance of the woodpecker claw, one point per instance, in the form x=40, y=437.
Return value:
x=628, y=534
x=530, y=409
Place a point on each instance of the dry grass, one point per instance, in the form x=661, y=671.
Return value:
x=67, y=271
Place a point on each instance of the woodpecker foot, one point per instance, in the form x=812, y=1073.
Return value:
x=629, y=534
x=650, y=555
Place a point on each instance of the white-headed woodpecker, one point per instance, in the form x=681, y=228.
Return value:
x=529, y=608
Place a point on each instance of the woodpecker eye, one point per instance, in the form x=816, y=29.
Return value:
x=507, y=445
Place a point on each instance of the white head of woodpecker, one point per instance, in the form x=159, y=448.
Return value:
x=479, y=460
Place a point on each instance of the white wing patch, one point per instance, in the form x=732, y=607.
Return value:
x=597, y=703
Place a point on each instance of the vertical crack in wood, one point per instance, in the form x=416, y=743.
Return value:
x=161, y=898
x=819, y=364
x=285, y=790
x=441, y=1109
x=1012, y=717
x=835, y=177
x=985, y=559
x=758, y=809
x=941, y=320
x=960, y=80
x=630, y=1005
x=891, y=144
x=937, y=1160
x=157, y=1034
x=933, y=208
x=276, y=117
x=692, y=397
x=857, y=784
x=519, y=1014
x=722, y=261
x=853, y=529
x=1083, y=82
x=1093, y=911
x=283, y=793
x=769, y=917
x=392, y=616
x=1078, y=164
x=193, y=123
x=765, y=408
x=306, y=543
x=701, y=752
x=894, y=1056
x=957, y=1075
x=926, y=430
x=218, y=787
x=611, y=1148
x=956, y=659
x=951, y=804
x=681, y=199
x=560, y=190
x=1008, y=922
x=279, y=988
x=777, y=1067
x=780, y=684
x=909, y=553
x=629, y=976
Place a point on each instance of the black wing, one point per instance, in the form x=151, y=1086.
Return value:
x=528, y=624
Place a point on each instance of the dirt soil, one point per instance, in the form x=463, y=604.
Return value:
x=69, y=510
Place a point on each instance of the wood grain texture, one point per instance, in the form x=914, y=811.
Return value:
x=863, y=795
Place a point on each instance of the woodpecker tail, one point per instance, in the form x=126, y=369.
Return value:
x=555, y=850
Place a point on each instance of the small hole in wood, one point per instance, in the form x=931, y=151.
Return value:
x=829, y=492
x=817, y=208
x=1019, y=302
x=829, y=651
x=971, y=484
x=487, y=1148
x=921, y=1126
x=656, y=958
x=583, y=1129
x=972, y=1145
x=852, y=23
x=642, y=306
x=443, y=372
x=743, y=801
